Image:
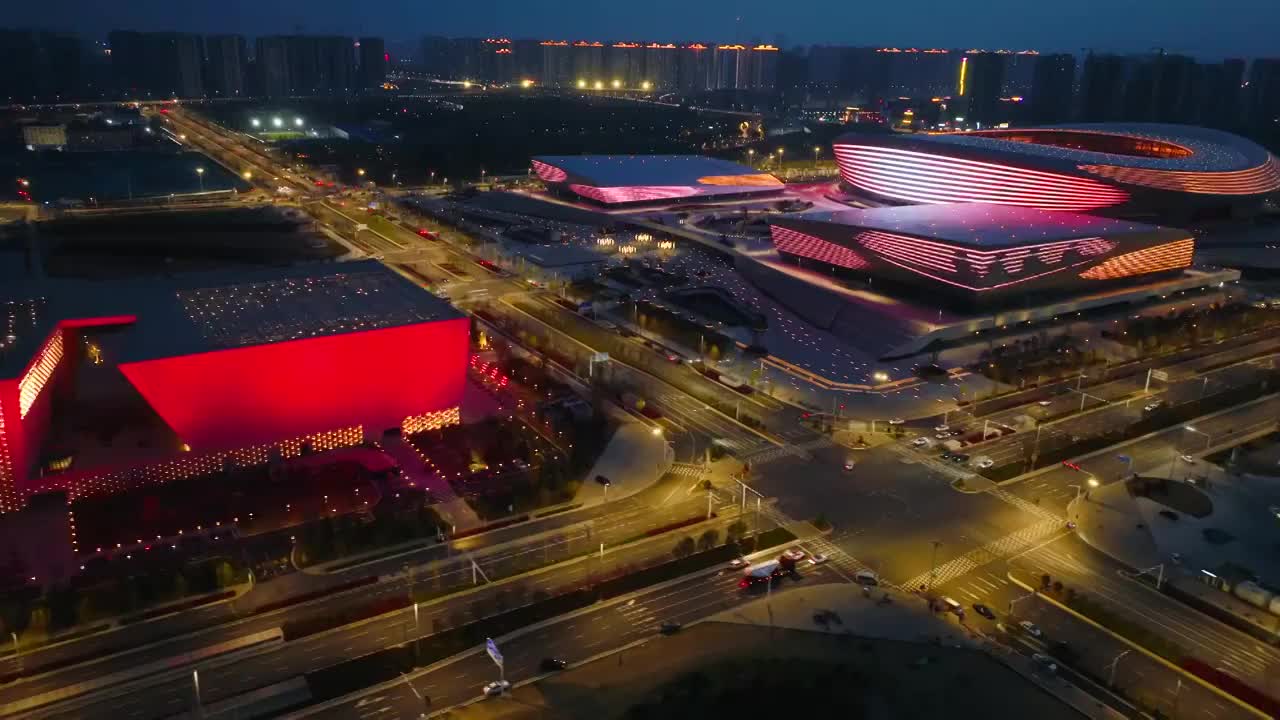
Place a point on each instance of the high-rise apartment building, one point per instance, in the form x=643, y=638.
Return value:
x=1102, y=87
x=373, y=63
x=226, y=60
x=1052, y=94
x=157, y=65
x=981, y=78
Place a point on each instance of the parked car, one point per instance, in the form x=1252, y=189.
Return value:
x=1031, y=629
x=959, y=458
x=942, y=428
x=496, y=688
x=942, y=435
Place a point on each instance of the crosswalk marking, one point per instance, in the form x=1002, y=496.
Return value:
x=1024, y=504
x=686, y=470
x=771, y=454
x=1010, y=544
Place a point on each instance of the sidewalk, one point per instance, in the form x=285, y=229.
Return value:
x=635, y=459
x=452, y=509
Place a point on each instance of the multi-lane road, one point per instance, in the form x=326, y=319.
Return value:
x=575, y=638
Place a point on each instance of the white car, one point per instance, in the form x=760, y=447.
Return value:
x=896, y=421
x=817, y=559
x=496, y=688
x=984, y=463
x=1045, y=403
x=1189, y=459
x=1031, y=629
x=737, y=563
x=794, y=554
x=1046, y=662
x=921, y=442
x=942, y=428
x=942, y=435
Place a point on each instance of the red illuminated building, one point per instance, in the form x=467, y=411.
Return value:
x=1120, y=170
x=105, y=386
x=981, y=253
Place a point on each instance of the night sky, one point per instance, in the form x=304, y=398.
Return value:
x=1204, y=28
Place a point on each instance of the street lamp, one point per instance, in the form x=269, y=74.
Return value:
x=1208, y=439
x=277, y=122
x=246, y=175
x=200, y=174
x=657, y=431
x=255, y=122
x=297, y=122
x=817, y=150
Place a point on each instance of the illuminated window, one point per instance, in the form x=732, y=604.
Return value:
x=38, y=375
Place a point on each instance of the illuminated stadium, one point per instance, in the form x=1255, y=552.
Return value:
x=110, y=385
x=979, y=252
x=612, y=180
x=1136, y=170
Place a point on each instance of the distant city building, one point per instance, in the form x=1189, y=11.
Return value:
x=1102, y=87
x=157, y=65
x=373, y=63
x=306, y=65
x=42, y=66
x=981, y=80
x=1052, y=88
x=1264, y=95
x=226, y=59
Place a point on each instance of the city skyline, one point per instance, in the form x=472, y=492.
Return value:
x=1236, y=28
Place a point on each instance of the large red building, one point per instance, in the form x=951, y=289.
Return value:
x=105, y=386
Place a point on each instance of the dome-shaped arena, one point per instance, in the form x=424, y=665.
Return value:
x=1128, y=170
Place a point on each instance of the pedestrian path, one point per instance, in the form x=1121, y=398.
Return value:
x=997, y=549
x=1027, y=506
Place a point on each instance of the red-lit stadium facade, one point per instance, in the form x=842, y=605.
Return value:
x=614, y=180
x=1169, y=171
x=241, y=370
x=981, y=254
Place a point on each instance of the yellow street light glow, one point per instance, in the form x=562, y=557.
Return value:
x=526, y=83
x=617, y=84
x=360, y=172
x=657, y=431
x=277, y=122
x=880, y=376
x=1093, y=482
x=582, y=83
x=247, y=175
x=199, y=171
x=646, y=85
x=599, y=85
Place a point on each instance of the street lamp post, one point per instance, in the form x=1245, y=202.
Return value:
x=1111, y=678
x=817, y=150
x=1015, y=601
x=200, y=174
x=195, y=681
